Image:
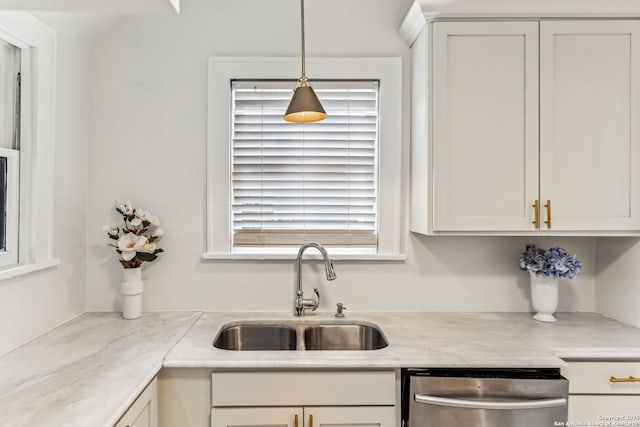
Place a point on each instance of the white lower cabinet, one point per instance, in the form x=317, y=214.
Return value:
x=325, y=416
x=144, y=411
x=361, y=416
x=600, y=407
x=603, y=392
x=256, y=417
x=304, y=399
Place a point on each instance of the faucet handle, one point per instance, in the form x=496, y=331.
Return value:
x=340, y=310
x=316, y=303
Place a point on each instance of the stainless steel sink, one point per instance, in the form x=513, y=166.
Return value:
x=252, y=336
x=344, y=337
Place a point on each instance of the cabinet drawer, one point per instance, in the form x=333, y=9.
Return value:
x=351, y=416
x=593, y=377
x=602, y=408
x=256, y=417
x=287, y=388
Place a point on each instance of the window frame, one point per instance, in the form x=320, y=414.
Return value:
x=10, y=255
x=37, y=43
x=222, y=70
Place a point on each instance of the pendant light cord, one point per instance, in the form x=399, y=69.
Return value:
x=304, y=75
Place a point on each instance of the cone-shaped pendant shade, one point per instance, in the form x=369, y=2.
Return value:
x=305, y=106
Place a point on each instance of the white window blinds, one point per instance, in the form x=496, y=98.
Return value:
x=294, y=183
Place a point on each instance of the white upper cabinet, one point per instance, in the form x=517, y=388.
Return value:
x=485, y=125
x=526, y=127
x=589, y=124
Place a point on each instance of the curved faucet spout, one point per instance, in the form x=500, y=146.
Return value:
x=301, y=303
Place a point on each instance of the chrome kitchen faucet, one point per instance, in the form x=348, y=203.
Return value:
x=301, y=303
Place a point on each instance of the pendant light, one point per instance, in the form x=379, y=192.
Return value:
x=304, y=106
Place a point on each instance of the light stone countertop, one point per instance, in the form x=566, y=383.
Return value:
x=87, y=372
x=426, y=340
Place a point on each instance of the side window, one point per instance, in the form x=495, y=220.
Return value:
x=295, y=183
x=27, y=135
x=9, y=152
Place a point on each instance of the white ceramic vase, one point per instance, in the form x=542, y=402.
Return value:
x=132, y=288
x=544, y=297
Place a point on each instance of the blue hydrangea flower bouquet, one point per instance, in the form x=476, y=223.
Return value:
x=546, y=267
x=555, y=262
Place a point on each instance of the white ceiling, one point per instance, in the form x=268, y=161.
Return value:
x=110, y=6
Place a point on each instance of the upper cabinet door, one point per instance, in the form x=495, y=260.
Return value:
x=589, y=124
x=485, y=125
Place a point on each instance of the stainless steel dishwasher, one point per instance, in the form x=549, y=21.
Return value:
x=484, y=398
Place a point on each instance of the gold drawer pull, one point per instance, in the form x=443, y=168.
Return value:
x=536, y=214
x=631, y=379
x=295, y=420
x=548, y=221
x=311, y=420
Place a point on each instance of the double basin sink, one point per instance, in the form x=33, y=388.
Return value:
x=267, y=336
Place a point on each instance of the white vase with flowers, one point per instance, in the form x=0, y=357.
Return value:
x=546, y=268
x=136, y=242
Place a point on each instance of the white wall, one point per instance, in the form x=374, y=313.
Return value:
x=618, y=279
x=37, y=302
x=147, y=145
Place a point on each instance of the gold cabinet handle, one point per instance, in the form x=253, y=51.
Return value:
x=536, y=214
x=548, y=221
x=295, y=421
x=631, y=379
x=311, y=420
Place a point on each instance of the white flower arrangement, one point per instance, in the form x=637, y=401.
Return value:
x=136, y=238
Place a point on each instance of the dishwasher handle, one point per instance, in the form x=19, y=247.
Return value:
x=476, y=404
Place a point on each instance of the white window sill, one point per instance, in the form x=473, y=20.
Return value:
x=292, y=256
x=21, y=269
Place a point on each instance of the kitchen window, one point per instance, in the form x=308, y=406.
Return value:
x=298, y=182
x=273, y=185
